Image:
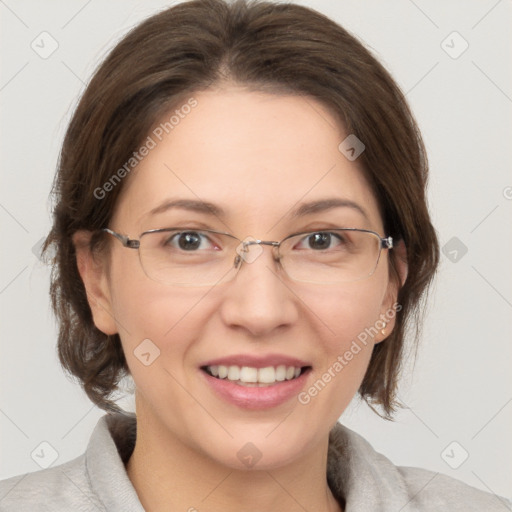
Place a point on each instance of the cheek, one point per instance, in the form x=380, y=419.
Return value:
x=346, y=313
x=162, y=327
x=351, y=351
x=155, y=322
x=349, y=320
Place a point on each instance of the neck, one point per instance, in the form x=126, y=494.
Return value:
x=169, y=475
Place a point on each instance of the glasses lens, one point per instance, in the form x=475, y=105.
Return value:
x=187, y=257
x=328, y=257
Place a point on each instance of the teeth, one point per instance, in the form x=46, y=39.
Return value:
x=247, y=374
x=280, y=373
x=223, y=372
x=233, y=373
x=267, y=375
x=250, y=375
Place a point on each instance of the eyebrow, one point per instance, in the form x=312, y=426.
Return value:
x=323, y=205
x=310, y=208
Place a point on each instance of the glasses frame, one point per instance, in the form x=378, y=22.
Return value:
x=134, y=243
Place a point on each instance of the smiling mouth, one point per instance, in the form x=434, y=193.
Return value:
x=255, y=377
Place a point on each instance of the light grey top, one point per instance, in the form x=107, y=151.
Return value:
x=359, y=477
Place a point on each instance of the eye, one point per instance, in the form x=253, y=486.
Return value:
x=189, y=241
x=322, y=240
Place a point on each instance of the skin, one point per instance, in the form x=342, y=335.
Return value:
x=266, y=153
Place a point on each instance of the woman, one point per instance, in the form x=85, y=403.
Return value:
x=241, y=226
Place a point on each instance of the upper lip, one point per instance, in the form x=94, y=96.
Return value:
x=257, y=361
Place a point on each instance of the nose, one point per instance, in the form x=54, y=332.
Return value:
x=259, y=299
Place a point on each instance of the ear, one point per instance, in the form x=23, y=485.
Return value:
x=94, y=273
x=390, y=306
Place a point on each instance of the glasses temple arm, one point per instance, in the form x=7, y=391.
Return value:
x=127, y=242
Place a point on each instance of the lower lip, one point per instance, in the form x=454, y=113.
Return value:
x=254, y=397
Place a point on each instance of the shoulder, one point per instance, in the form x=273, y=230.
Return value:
x=61, y=488
x=368, y=480
x=96, y=481
x=429, y=490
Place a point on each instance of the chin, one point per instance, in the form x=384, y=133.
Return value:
x=266, y=448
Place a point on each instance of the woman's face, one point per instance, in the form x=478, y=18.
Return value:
x=258, y=157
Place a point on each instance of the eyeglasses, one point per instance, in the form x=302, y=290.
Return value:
x=193, y=257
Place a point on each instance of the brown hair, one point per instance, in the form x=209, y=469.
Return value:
x=264, y=46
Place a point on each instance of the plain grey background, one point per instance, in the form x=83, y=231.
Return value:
x=459, y=398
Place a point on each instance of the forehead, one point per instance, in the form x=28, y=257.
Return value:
x=257, y=156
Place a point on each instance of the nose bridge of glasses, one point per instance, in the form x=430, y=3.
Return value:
x=245, y=254
x=260, y=242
